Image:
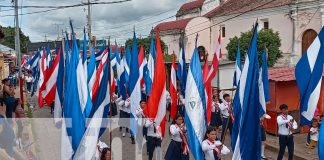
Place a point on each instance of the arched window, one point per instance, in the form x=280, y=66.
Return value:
x=308, y=37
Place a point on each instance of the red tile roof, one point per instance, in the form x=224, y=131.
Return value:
x=240, y=6
x=173, y=25
x=192, y=5
x=282, y=74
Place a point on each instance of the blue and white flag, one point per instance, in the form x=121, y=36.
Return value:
x=149, y=69
x=182, y=68
x=122, y=83
x=127, y=65
x=264, y=91
x=247, y=136
x=98, y=119
x=237, y=73
x=309, y=73
x=34, y=60
x=134, y=85
x=58, y=102
x=92, y=70
x=195, y=104
x=73, y=125
x=100, y=53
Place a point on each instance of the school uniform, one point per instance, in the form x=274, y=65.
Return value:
x=139, y=114
x=153, y=139
x=177, y=150
x=286, y=138
x=212, y=151
x=216, y=119
x=226, y=111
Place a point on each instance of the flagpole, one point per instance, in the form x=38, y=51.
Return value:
x=111, y=95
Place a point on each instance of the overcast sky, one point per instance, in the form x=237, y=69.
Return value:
x=115, y=20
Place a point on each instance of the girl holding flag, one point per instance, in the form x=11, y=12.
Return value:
x=213, y=148
x=178, y=148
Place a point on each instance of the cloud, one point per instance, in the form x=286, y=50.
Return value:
x=116, y=20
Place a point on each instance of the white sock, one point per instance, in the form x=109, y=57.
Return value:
x=262, y=150
x=158, y=153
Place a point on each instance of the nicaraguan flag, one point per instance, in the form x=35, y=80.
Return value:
x=248, y=140
x=195, y=104
x=134, y=85
x=182, y=68
x=237, y=73
x=122, y=83
x=309, y=73
x=149, y=69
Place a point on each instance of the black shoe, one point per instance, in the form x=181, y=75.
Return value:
x=133, y=141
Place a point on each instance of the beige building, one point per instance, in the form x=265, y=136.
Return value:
x=297, y=21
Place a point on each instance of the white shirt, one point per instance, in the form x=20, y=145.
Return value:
x=314, y=134
x=214, y=106
x=127, y=105
x=175, y=133
x=208, y=149
x=29, y=79
x=282, y=125
x=224, y=109
x=139, y=112
x=150, y=129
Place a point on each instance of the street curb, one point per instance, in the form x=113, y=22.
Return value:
x=274, y=148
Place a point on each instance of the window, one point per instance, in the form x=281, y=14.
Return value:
x=223, y=32
x=266, y=25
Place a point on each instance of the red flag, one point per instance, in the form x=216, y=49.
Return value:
x=173, y=89
x=207, y=85
x=99, y=74
x=156, y=107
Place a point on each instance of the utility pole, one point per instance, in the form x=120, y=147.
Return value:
x=17, y=48
x=89, y=25
x=17, y=38
x=57, y=26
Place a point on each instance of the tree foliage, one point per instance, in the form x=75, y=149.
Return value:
x=266, y=38
x=9, y=39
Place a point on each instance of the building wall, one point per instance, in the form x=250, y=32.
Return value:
x=172, y=41
x=307, y=17
x=197, y=25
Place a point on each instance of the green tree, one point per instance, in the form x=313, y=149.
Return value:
x=266, y=38
x=145, y=42
x=9, y=39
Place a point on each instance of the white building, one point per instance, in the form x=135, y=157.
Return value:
x=297, y=21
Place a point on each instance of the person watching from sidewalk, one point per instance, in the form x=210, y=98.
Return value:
x=313, y=135
x=9, y=97
x=286, y=125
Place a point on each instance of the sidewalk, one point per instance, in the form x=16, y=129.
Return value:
x=272, y=144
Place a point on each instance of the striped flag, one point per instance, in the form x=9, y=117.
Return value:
x=142, y=64
x=149, y=70
x=237, y=73
x=195, y=104
x=207, y=86
x=73, y=125
x=215, y=62
x=127, y=65
x=264, y=91
x=157, y=100
x=99, y=74
x=134, y=85
x=246, y=129
x=42, y=73
x=309, y=71
x=173, y=89
x=182, y=68
x=49, y=85
x=58, y=102
x=92, y=70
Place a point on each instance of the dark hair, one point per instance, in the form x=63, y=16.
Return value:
x=142, y=100
x=4, y=80
x=176, y=117
x=210, y=129
x=225, y=95
x=315, y=121
x=103, y=153
x=283, y=106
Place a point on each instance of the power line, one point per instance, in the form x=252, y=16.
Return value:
x=70, y=6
